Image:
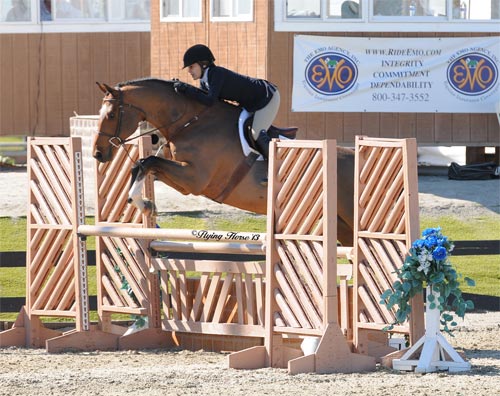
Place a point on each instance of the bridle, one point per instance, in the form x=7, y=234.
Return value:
x=116, y=141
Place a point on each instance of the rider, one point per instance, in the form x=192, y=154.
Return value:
x=255, y=95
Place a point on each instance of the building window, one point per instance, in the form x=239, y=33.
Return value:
x=51, y=10
x=476, y=10
x=15, y=11
x=303, y=9
x=181, y=10
x=387, y=15
x=132, y=10
x=317, y=9
x=26, y=16
x=231, y=10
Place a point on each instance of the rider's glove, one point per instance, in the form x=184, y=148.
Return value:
x=180, y=87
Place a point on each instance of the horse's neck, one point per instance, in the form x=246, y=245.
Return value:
x=220, y=119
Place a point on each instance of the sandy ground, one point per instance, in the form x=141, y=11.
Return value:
x=161, y=372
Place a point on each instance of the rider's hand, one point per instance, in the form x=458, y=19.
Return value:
x=180, y=87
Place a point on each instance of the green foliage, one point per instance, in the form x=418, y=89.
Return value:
x=428, y=265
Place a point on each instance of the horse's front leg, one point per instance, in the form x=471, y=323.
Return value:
x=178, y=175
x=138, y=175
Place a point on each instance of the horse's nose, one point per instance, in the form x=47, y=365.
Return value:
x=98, y=155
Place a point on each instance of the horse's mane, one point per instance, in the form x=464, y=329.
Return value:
x=143, y=81
x=152, y=80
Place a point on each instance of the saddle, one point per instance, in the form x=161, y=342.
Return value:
x=245, y=129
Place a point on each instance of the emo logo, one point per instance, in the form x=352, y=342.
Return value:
x=331, y=73
x=472, y=74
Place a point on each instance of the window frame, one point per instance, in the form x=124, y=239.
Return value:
x=64, y=25
x=238, y=18
x=376, y=23
x=181, y=19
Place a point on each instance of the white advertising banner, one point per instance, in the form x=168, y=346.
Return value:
x=426, y=75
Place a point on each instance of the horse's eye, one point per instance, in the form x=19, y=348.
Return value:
x=111, y=115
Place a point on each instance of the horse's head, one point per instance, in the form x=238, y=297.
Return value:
x=118, y=119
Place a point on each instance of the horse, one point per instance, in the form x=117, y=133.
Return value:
x=203, y=145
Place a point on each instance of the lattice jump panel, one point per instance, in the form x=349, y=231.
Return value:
x=125, y=284
x=124, y=276
x=228, y=302
x=55, y=209
x=113, y=179
x=299, y=294
x=382, y=190
x=301, y=217
x=50, y=185
x=386, y=222
x=299, y=202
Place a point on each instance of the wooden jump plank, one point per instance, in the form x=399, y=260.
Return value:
x=126, y=271
x=210, y=301
x=290, y=183
x=58, y=280
x=223, y=298
x=259, y=299
x=240, y=300
x=303, y=268
x=300, y=209
x=375, y=262
x=375, y=290
x=229, y=329
x=388, y=197
x=197, y=310
x=290, y=297
x=285, y=312
x=120, y=296
x=53, y=190
x=396, y=216
x=369, y=305
x=296, y=201
x=290, y=267
x=249, y=299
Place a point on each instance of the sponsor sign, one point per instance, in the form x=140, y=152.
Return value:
x=351, y=74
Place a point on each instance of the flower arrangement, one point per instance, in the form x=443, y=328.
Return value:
x=428, y=265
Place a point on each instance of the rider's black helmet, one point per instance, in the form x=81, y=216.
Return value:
x=198, y=53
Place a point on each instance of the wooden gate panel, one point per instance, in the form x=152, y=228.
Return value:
x=386, y=223
x=226, y=298
x=55, y=275
x=297, y=275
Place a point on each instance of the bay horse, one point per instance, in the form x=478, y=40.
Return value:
x=204, y=147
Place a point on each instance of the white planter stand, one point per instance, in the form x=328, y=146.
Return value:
x=436, y=353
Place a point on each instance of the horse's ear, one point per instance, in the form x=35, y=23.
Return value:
x=101, y=87
x=106, y=88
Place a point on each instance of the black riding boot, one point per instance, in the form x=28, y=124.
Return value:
x=262, y=143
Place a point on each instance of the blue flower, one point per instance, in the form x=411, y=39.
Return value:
x=419, y=243
x=431, y=231
x=439, y=253
x=431, y=241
